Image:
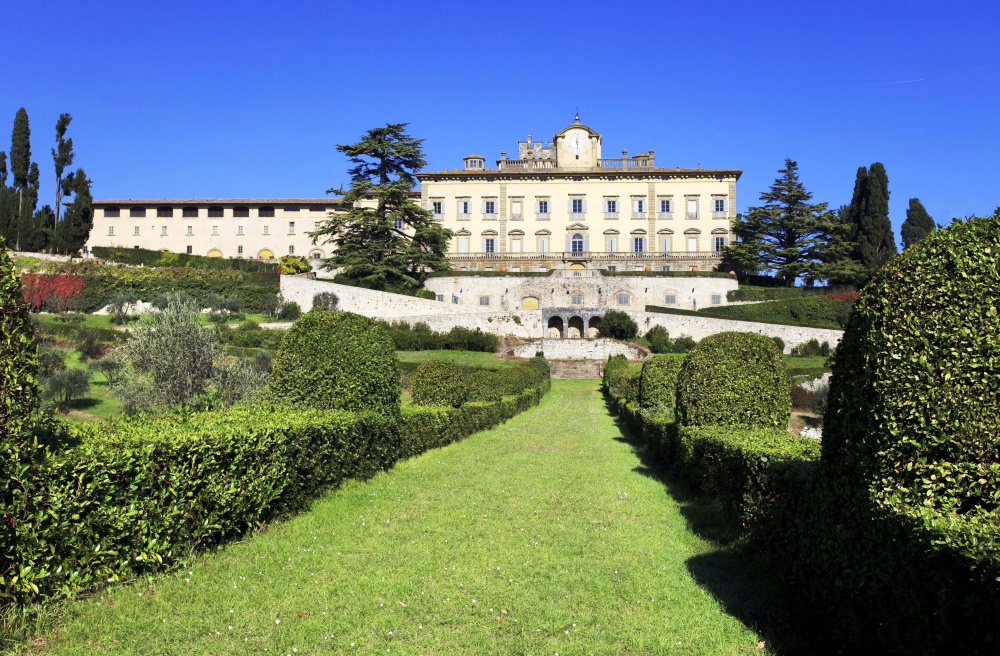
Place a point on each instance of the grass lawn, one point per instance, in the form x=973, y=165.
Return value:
x=464, y=358
x=98, y=404
x=545, y=535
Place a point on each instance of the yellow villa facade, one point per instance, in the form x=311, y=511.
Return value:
x=562, y=205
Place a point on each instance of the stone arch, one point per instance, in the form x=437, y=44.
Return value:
x=594, y=328
x=265, y=254
x=720, y=231
x=529, y=303
x=555, y=328
x=575, y=329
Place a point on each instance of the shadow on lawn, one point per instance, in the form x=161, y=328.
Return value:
x=742, y=581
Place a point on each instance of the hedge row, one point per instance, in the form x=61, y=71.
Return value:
x=757, y=293
x=443, y=383
x=820, y=311
x=139, y=495
x=420, y=337
x=150, y=258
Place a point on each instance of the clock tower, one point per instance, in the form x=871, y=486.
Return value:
x=577, y=146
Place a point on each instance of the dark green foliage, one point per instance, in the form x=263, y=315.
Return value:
x=734, y=379
x=420, y=337
x=368, y=247
x=653, y=274
x=337, y=361
x=325, y=301
x=822, y=311
x=50, y=360
x=684, y=344
x=780, y=343
x=918, y=223
x=658, y=383
x=660, y=341
x=63, y=386
x=120, y=306
x=811, y=348
x=755, y=293
x=868, y=218
x=158, y=259
x=621, y=380
x=74, y=228
x=18, y=363
x=439, y=382
x=290, y=311
x=787, y=235
x=250, y=335
x=618, y=325
x=62, y=156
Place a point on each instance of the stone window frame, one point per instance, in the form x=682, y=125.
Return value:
x=520, y=215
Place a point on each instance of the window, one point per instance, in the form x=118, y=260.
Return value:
x=291, y=250
x=670, y=299
x=398, y=225
x=664, y=244
x=692, y=244
x=576, y=243
x=716, y=299
x=463, y=244
x=624, y=299
x=267, y=230
x=136, y=233
x=239, y=250
x=239, y=231
x=719, y=205
x=439, y=298
x=437, y=207
x=111, y=231
x=215, y=231
x=692, y=208
x=638, y=244
x=317, y=208
x=612, y=268
x=215, y=212
x=612, y=244
x=515, y=210
x=577, y=205
x=163, y=231
x=137, y=212
x=190, y=249
x=718, y=244
x=291, y=209
x=165, y=212
x=611, y=207
x=189, y=232
x=576, y=298
x=490, y=208
x=638, y=208
x=241, y=212
x=112, y=212
x=316, y=255
x=543, y=244
x=666, y=208
x=189, y=212
x=515, y=245
x=484, y=301
x=489, y=245
x=543, y=209
x=291, y=227
x=463, y=210
x=265, y=211
x=665, y=268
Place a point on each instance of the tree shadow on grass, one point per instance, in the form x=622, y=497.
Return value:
x=744, y=583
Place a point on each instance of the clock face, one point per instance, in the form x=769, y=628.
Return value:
x=577, y=142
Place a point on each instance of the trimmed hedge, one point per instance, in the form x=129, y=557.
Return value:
x=818, y=311
x=756, y=293
x=18, y=362
x=420, y=337
x=336, y=361
x=159, y=259
x=439, y=382
x=734, y=379
x=621, y=381
x=658, y=383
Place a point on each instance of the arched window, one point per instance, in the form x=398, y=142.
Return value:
x=576, y=243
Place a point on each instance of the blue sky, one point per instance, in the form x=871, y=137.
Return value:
x=248, y=99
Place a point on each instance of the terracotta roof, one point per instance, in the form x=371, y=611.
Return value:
x=473, y=156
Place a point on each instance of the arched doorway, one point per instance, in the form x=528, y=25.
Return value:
x=529, y=303
x=215, y=252
x=265, y=254
x=555, y=328
x=594, y=328
x=575, y=328
x=576, y=243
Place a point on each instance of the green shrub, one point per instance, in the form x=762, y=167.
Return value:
x=811, y=348
x=618, y=325
x=684, y=344
x=820, y=311
x=250, y=335
x=292, y=265
x=439, y=382
x=64, y=386
x=160, y=259
x=50, y=360
x=325, y=301
x=420, y=337
x=659, y=340
x=18, y=363
x=780, y=343
x=658, y=383
x=621, y=380
x=337, y=361
x=290, y=311
x=734, y=379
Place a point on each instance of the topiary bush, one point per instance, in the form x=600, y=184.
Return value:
x=618, y=325
x=336, y=361
x=439, y=382
x=734, y=379
x=658, y=383
x=18, y=367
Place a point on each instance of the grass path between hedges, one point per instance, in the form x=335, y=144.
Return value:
x=545, y=535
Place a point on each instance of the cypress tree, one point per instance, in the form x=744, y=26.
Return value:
x=8, y=203
x=20, y=160
x=62, y=156
x=918, y=223
x=874, y=243
x=72, y=232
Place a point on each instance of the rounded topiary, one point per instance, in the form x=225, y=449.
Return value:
x=439, y=382
x=618, y=325
x=734, y=379
x=336, y=361
x=914, y=406
x=658, y=382
x=18, y=386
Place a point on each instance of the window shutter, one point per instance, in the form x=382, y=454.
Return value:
x=538, y=207
x=569, y=206
x=484, y=207
x=635, y=206
x=483, y=249
x=569, y=243
x=586, y=243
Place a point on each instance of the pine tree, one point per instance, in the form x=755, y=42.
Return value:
x=370, y=248
x=787, y=235
x=74, y=228
x=918, y=223
x=62, y=156
x=20, y=160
